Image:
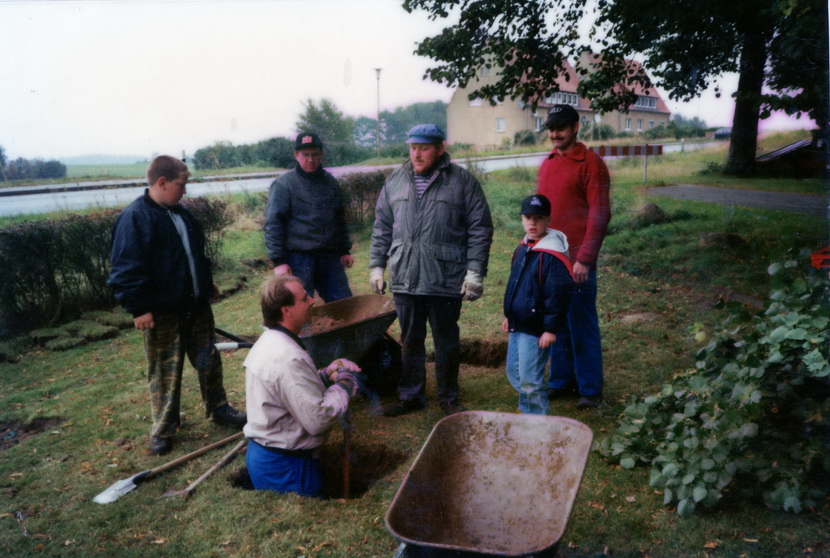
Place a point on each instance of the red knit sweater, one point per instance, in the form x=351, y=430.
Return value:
x=578, y=187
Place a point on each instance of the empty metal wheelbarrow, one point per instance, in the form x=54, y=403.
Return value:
x=490, y=484
x=347, y=328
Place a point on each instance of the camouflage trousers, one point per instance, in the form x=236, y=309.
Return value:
x=165, y=346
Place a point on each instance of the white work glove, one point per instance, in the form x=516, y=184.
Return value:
x=472, y=287
x=376, y=280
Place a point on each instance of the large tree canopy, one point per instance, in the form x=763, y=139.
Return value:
x=778, y=47
x=328, y=122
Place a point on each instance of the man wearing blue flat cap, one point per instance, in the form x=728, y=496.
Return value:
x=433, y=228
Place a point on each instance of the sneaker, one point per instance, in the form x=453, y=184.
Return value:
x=228, y=416
x=402, y=407
x=160, y=446
x=567, y=392
x=589, y=401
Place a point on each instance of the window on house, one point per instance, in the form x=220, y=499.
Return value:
x=500, y=124
x=651, y=124
x=563, y=98
x=484, y=71
x=639, y=125
x=628, y=124
x=646, y=102
x=475, y=102
x=539, y=123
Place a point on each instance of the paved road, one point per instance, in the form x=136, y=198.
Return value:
x=813, y=204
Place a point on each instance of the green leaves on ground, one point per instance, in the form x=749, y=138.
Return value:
x=752, y=418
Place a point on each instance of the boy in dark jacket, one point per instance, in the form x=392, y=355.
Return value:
x=161, y=275
x=535, y=303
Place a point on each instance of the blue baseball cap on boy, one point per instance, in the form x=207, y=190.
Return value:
x=537, y=204
x=425, y=133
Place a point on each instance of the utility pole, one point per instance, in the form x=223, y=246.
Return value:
x=377, y=71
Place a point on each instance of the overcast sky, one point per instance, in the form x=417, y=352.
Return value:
x=133, y=77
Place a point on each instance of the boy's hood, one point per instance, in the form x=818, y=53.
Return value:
x=553, y=240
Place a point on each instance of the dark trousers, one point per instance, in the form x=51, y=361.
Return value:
x=442, y=312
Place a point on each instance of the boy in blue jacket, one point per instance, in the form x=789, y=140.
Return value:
x=161, y=275
x=535, y=303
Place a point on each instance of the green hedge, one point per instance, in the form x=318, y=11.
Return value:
x=55, y=269
x=361, y=191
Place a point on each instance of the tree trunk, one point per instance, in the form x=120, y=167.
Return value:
x=744, y=140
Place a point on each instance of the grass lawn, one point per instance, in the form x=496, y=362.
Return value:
x=94, y=399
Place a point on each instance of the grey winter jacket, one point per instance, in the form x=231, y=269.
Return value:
x=305, y=214
x=429, y=245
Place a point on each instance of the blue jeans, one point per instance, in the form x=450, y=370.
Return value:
x=526, y=372
x=321, y=272
x=283, y=473
x=576, y=357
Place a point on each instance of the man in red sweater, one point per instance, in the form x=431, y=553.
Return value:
x=576, y=182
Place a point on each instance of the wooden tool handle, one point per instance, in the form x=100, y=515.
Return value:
x=221, y=463
x=191, y=455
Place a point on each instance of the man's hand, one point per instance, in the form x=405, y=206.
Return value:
x=144, y=321
x=341, y=365
x=581, y=272
x=347, y=261
x=504, y=325
x=472, y=288
x=376, y=280
x=283, y=269
x=546, y=340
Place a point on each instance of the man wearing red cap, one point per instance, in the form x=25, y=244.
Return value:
x=577, y=183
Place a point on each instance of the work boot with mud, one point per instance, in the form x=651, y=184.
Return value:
x=228, y=416
x=160, y=446
x=402, y=407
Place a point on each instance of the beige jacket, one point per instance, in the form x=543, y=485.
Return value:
x=288, y=405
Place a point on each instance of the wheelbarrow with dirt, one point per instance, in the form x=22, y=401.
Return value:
x=347, y=328
x=490, y=484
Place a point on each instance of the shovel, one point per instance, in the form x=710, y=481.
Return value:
x=222, y=462
x=123, y=486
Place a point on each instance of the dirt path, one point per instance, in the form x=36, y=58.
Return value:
x=812, y=204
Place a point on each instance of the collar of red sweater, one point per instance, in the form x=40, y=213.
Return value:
x=577, y=153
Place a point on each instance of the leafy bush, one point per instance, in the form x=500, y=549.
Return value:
x=361, y=192
x=53, y=269
x=524, y=137
x=752, y=418
x=595, y=131
x=213, y=215
x=30, y=169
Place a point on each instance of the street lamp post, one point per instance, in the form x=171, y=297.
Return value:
x=377, y=71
